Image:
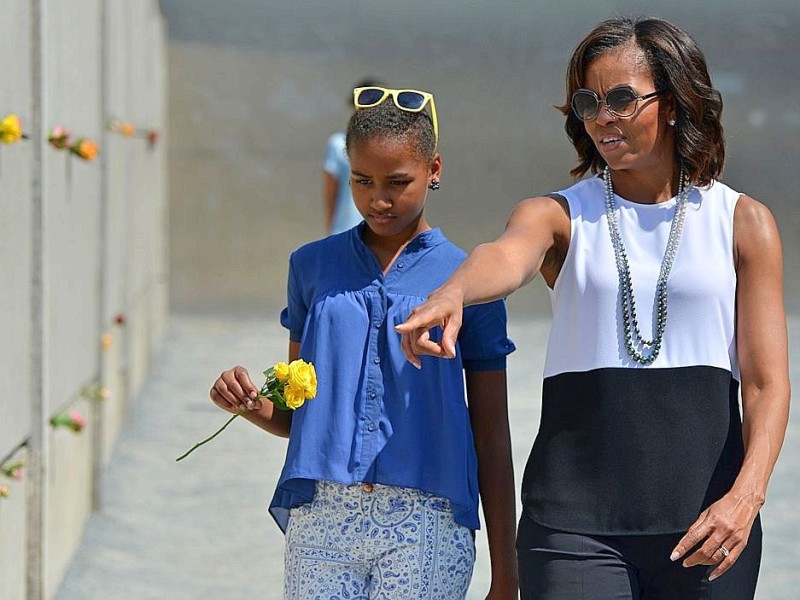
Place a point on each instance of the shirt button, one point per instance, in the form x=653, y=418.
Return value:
x=376, y=360
x=372, y=394
x=378, y=324
x=371, y=427
x=368, y=488
x=400, y=265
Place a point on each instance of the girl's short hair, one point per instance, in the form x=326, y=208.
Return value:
x=679, y=68
x=387, y=121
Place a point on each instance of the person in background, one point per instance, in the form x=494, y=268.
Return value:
x=340, y=212
x=644, y=481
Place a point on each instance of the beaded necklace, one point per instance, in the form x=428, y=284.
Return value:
x=633, y=336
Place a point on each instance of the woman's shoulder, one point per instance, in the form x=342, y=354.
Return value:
x=730, y=204
x=753, y=218
x=538, y=216
x=720, y=190
x=583, y=195
x=563, y=204
x=590, y=184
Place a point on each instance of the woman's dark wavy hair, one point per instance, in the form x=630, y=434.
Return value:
x=387, y=121
x=679, y=68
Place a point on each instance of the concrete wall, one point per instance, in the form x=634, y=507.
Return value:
x=83, y=284
x=15, y=234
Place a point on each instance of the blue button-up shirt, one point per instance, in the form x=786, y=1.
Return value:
x=376, y=418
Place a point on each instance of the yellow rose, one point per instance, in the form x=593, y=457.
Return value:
x=282, y=372
x=303, y=376
x=295, y=397
x=10, y=129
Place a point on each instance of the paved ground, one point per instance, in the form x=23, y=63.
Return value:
x=199, y=528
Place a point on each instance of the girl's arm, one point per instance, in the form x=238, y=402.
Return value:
x=488, y=409
x=762, y=347
x=535, y=239
x=234, y=391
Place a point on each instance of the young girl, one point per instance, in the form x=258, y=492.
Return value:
x=379, y=493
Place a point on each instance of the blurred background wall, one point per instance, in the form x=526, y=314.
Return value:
x=256, y=88
x=83, y=284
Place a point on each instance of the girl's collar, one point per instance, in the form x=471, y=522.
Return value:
x=425, y=239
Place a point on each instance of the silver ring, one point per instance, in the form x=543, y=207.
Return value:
x=724, y=551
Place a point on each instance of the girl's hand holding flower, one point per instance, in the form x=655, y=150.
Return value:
x=234, y=391
x=287, y=386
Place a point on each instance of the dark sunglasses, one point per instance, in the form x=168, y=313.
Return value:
x=621, y=102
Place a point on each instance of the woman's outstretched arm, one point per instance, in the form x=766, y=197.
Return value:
x=535, y=239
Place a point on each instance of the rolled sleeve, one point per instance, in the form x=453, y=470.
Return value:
x=484, y=341
x=293, y=316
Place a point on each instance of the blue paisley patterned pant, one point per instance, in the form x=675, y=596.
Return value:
x=370, y=542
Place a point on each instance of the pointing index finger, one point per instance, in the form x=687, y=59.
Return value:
x=412, y=322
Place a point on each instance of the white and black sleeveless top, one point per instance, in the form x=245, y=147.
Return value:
x=624, y=448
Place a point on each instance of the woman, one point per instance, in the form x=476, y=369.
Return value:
x=666, y=286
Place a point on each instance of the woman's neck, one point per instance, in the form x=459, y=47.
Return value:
x=647, y=187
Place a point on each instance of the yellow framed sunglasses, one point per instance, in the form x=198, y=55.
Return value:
x=408, y=100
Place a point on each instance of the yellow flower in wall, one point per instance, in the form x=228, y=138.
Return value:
x=106, y=341
x=85, y=149
x=14, y=471
x=73, y=421
x=10, y=129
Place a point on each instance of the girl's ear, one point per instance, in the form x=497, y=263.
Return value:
x=436, y=166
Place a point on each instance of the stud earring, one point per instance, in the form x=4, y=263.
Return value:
x=671, y=122
x=434, y=185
